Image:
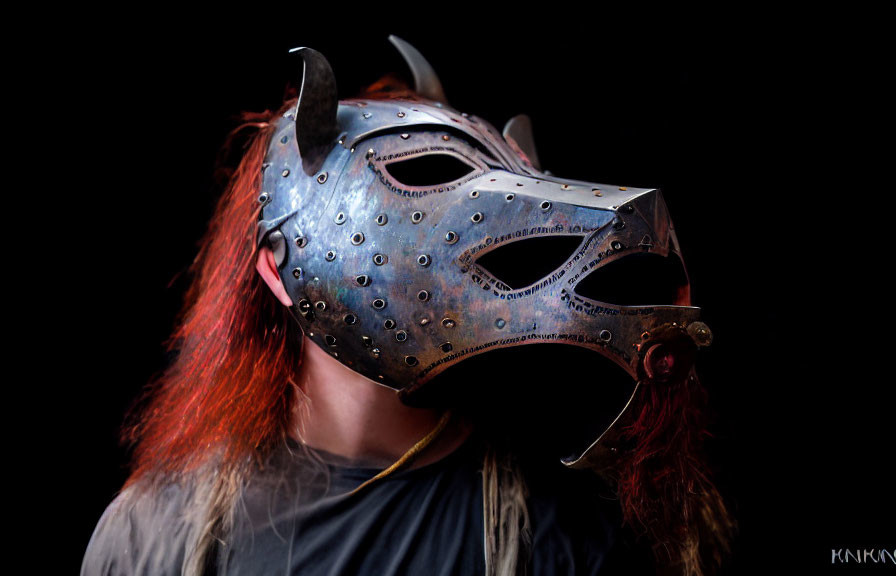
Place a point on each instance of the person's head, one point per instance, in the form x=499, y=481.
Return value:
x=333, y=233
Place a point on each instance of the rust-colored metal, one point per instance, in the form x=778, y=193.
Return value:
x=424, y=302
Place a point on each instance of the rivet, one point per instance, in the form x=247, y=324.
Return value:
x=357, y=238
x=366, y=115
x=451, y=237
x=618, y=223
x=423, y=295
x=623, y=188
x=297, y=272
x=597, y=191
x=520, y=184
x=410, y=360
x=510, y=197
x=628, y=208
x=285, y=172
x=565, y=186
x=545, y=205
x=320, y=305
x=424, y=321
x=616, y=245
x=340, y=218
x=322, y=178
x=423, y=260
x=416, y=216
x=349, y=319
x=401, y=335
x=331, y=340
x=263, y=198
x=464, y=114
x=284, y=140
x=367, y=341
x=476, y=218
x=375, y=352
x=301, y=241
x=381, y=219
x=389, y=324
x=370, y=153
x=448, y=323
x=363, y=280
x=304, y=305
x=379, y=304
x=474, y=194
x=379, y=259
x=400, y=114
x=446, y=347
x=330, y=256
x=605, y=335
x=405, y=136
x=446, y=137
x=500, y=323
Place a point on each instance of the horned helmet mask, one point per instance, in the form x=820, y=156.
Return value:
x=400, y=227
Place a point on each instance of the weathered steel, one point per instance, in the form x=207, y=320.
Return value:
x=385, y=276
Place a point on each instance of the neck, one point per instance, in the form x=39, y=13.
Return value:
x=349, y=415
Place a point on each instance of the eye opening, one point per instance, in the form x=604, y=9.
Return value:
x=429, y=169
x=524, y=262
x=640, y=279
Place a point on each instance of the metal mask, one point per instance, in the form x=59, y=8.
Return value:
x=403, y=231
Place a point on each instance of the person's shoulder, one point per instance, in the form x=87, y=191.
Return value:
x=142, y=531
x=577, y=526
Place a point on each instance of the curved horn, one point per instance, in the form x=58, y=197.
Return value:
x=315, y=113
x=518, y=133
x=426, y=82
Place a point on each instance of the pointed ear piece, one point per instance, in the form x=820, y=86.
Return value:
x=315, y=113
x=426, y=82
x=518, y=133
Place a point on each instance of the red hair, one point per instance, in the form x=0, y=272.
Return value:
x=231, y=387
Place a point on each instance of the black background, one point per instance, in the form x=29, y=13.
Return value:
x=756, y=129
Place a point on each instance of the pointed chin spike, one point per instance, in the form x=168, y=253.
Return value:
x=426, y=82
x=315, y=114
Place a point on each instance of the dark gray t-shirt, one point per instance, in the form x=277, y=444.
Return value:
x=297, y=516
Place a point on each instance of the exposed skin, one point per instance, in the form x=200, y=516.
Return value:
x=352, y=416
